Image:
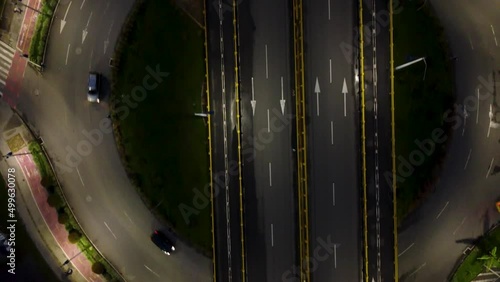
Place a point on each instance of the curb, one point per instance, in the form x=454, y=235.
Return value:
x=40, y=142
x=48, y=35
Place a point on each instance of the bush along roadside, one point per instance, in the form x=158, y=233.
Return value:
x=41, y=32
x=66, y=217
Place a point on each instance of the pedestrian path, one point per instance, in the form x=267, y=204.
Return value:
x=6, y=56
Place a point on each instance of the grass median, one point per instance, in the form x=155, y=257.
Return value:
x=162, y=144
x=41, y=32
x=420, y=104
x=472, y=266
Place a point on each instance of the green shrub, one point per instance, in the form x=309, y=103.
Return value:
x=46, y=182
x=74, y=236
x=63, y=218
x=98, y=268
x=54, y=200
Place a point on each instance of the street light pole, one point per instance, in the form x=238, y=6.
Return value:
x=413, y=62
x=10, y=154
x=31, y=8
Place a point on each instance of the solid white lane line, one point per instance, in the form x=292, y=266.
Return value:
x=333, y=192
x=329, y=12
x=345, y=109
x=330, y=70
x=418, y=269
x=335, y=255
x=90, y=61
x=67, y=54
x=151, y=271
x=110, y=230
x=461, y=223
x=272, y=235
x=270, y=176
x=442, y=210
x=331, y=130
x=268, y=123
x=477, y=110
x=317, y=103
x=489, y=130
x=489, y=169
x=470, y=41
x=267, y=70
x=406, y=249
x=467, y=161
x=494, y=36
x=80, y=176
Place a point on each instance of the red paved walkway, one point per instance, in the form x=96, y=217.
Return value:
x=39, y=193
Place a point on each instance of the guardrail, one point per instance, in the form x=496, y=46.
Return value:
x=209, y=120
x=236, y=41
x=300, y=117
x=393, y=139
x=363, y=137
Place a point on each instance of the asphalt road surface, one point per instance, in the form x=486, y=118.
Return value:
x=462, y=207
x=333, y=136
x=224, y=141
x=98, y=189
x=378, y=142
x=266, y=70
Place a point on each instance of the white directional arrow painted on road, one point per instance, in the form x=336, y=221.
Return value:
x=63, y=21
x=282, y=101
x=106, y=42
x=344, y=91
x=317, y=90
x=85, y=32
x=253, y=102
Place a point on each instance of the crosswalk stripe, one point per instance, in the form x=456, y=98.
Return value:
x=2, y=81
x=4, y=72
x=5, y=46
x=5, y=59
x=7, y=53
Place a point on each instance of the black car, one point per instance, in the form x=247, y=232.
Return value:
x=162, y=242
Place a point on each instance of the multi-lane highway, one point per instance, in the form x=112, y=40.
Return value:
x=462, y=208
x=333, y=137
x=378, y=146
x=267, y=101
x=97, y=187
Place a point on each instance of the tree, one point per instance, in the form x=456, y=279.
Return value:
x=492, y=259
x=74, y=236
x=63, y=218
x=54, y=201
x=98, y=268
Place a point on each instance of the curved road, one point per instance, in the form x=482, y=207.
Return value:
x=98, y=189
x=462, y=208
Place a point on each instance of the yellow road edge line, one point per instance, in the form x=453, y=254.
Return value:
x=363, y=135
x=393, y=153
x=304, y=137
x=210, y=169
x=238, y=131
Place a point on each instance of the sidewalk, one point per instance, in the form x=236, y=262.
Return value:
x=19, y=27
x=40, y=218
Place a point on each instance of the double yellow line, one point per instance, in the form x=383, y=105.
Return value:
x=300, y=117
x=210, y=169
